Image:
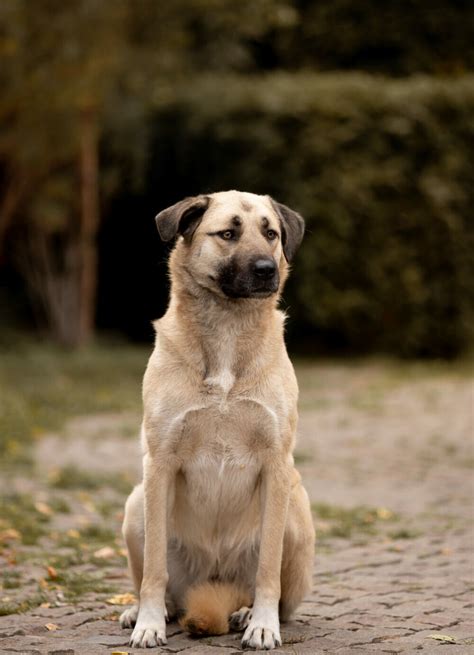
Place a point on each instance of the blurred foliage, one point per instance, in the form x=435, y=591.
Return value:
x=201, y=95
x=383, y=172
x=395, y=37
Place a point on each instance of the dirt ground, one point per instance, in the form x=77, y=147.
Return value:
x=386, y=453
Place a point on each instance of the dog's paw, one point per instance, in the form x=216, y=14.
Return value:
x=148, y=636
x=128, y=618
x=150, y=630
x=263, y=631
x=240, y=619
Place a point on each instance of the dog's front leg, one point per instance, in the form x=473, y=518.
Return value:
x=263, y=631
x=150, y=628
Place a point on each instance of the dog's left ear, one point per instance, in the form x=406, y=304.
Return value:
x=182, y=218
x=292, y=225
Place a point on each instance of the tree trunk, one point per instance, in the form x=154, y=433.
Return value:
x=89, y=224
x=13, y=194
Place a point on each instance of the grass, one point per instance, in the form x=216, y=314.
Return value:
x=34, y=600
x=379, y=375
x=11, y=580
x=346, y=523
x=42, y=386
x=75, y=584
x=71, y=477
x=18, y=512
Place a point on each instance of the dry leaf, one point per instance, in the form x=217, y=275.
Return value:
x=114, y=616
x=89, y=506
x=45, y=605
x=73, y=533
x=51, y=627
x=105, y=553
x=120, y=652
x=447, y=639
x=52, y=573
x=43, y=508
x=43, y=584
x=122, y=599
x=384, y=514
x=10, y=535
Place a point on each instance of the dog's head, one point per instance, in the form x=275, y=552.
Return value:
x=235, y=244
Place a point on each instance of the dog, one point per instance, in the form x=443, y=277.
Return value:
x=220, y=530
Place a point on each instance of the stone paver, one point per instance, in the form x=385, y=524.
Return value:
x=384, y=582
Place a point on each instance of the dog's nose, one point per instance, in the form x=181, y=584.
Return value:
x=264, y=268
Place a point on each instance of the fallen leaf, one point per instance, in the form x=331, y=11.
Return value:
x=89, y=506
x=43, y=584
x=73, y=533
x=120, y=652
x=52, y=573
x=45, y=605
x=51, y=626
x=384, y=514
x=122, y=599
x=114, y=616
x=105, y=553
x=447, y=639
x=10, y=535
x=43, y=508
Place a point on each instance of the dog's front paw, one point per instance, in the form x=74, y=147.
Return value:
x=150, y=629
x=263, y=631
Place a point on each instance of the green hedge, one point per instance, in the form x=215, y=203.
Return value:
x=382, y=170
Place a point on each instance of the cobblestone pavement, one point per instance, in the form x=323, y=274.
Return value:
x=386, y=453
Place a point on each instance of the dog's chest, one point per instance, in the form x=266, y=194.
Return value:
x=219, y=480
x=220, y=455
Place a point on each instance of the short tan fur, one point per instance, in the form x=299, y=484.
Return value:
x=221, y=502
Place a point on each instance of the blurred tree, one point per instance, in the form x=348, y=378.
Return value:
x=70, y=69
x=81, y=73
x=58, y=63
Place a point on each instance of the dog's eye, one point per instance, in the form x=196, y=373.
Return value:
x=271, y=234
x=227, y=235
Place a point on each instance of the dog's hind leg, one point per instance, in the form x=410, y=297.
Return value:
x=134, y=535
x=298, y=554
x=133, y=531
x=240, y=619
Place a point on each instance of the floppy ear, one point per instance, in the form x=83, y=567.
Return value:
x=181, y=218
x=292, y=225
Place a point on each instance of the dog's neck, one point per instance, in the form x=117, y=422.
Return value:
x=224, y=339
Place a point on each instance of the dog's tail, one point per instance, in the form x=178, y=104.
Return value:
x=209, y=606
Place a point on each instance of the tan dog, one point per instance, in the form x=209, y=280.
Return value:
x=221, y=520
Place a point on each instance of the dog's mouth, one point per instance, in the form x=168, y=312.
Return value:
x=249, y=291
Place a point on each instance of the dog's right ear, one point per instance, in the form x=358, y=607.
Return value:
x=182, y=218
